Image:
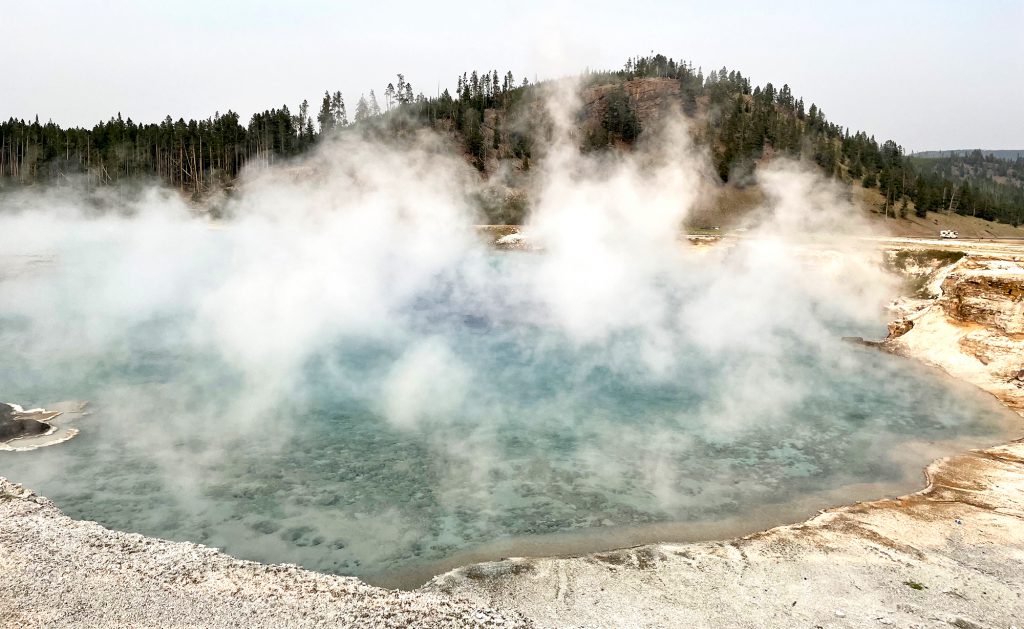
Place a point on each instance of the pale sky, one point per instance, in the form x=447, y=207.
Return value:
x=929, y=74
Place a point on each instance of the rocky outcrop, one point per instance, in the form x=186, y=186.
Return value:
x=899, y=327
x=986, y=292
x=1003, y=356
x=16, y=424
x=22, y=430
x=650, y=98
x=974, y=329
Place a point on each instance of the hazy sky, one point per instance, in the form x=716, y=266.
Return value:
x=929, y=74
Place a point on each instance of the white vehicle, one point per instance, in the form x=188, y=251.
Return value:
x=948, y=233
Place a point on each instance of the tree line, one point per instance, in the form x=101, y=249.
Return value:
x=491, y=119
x=192, y=156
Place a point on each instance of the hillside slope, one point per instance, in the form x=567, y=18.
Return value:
x=742, y=127
x=914, y=225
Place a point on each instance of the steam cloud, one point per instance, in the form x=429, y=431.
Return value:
x=319, y=280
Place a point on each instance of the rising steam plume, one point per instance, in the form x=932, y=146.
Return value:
x=355, y=279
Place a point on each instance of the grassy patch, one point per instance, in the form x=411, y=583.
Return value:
x=909, y=262
x=615, y=559
x=914, y=585
x=474, y=572
x=646, y=558
x=925, y=257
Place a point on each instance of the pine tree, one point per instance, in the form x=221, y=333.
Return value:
x=326, y=116
x=302, y=122
x=362, y=109
x=400, y=89
x=338, y=110
x=619, y=117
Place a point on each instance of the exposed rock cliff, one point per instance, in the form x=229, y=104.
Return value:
x=986, y=292
x=975, y=328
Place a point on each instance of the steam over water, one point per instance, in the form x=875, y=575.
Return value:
x=344, y=376
x=483, y=420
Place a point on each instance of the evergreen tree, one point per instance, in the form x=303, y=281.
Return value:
x=362, y=109
x=338, y=110
x=400, y=90
x=302, y=122
x=619, y=117
x=326, y=115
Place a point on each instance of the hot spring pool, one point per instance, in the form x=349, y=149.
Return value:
x=474, y=431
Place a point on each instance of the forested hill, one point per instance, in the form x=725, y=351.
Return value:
x=998, y=154
x=982, y=177
x=499, y=123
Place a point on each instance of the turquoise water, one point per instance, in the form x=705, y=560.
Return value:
x=511, y=429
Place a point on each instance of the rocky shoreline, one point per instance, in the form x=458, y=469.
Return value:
x=951, y=554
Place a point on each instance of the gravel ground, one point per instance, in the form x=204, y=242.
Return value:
x=60, y=572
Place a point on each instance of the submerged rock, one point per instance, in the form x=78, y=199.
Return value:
x=23, y=430
x=16, y=428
